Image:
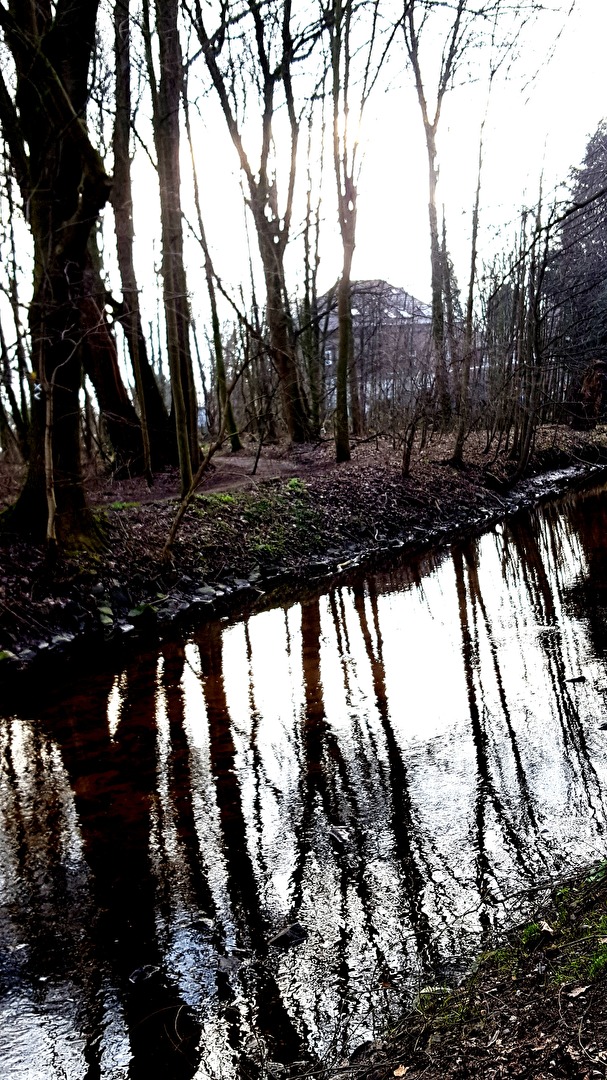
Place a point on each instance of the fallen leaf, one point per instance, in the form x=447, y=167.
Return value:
x=578, y=990
x=402, y=1069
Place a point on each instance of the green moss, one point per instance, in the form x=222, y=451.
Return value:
x=267, y=551
x=562, y=901
x=599, y=873
x=504, y=960
x=571, y=933
x=274, y=522
x=531, y=936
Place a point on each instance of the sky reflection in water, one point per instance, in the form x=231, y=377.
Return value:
x=392, y=764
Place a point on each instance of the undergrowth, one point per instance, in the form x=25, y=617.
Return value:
x=555, y=958
x=275, y=523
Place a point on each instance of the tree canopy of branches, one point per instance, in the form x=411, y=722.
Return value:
x=581, y=268
x=93, y=99
x=266, y=36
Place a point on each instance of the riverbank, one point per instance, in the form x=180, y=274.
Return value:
x=534, y=1007
x=298, y=522
x=475, y=810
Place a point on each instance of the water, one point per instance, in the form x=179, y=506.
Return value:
x=395, y=765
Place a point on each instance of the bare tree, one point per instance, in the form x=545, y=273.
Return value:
x=18, y=401
x=166, y=100
x=350, y=94
x=466, y=363
x=63, y=187
x=224, y=400
x=158, y=434
x=415, y=19
x=264, y=35
x=308, y=320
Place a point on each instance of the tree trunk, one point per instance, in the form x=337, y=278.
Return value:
x=344, y=352
x=272, y=226
x=225, y=403
x=356, y=412
x=464, y=391
x=281, y=332
x=55, y=332
x=167, y=139
x=20, y=433
x=100, y=363
x=309, y=328
x=64, y=186
x=443, y=397
x=158, y=434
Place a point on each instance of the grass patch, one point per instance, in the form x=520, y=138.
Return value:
x=222, y=498
x=569, y=935
x=272, y=523
x=120, y=505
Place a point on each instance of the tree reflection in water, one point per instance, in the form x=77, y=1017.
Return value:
x=386, y=764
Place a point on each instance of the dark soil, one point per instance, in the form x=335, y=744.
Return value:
x=299, y=519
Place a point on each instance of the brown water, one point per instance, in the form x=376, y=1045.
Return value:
x=393, y=764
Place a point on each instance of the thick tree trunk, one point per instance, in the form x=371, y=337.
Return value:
x=55, y=332
x=167, y=138
x=282, y=354
x=281, y=333
x=100, y=362
x=64, y=186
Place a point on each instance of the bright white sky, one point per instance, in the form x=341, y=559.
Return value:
x=543, y=127
x=538, y=120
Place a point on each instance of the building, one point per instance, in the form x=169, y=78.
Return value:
x=391, y=345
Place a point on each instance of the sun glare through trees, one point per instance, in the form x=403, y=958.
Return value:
x=191, y=194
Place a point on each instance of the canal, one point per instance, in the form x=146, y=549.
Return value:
x=250, y=847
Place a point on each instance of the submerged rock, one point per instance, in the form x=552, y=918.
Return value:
x=144, y=973
x=228, y=964
x=291, y=935
x=341, y=834
x=204, y=924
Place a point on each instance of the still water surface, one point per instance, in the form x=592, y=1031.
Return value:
x=392, y=765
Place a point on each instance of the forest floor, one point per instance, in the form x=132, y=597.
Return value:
x=298, y=521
